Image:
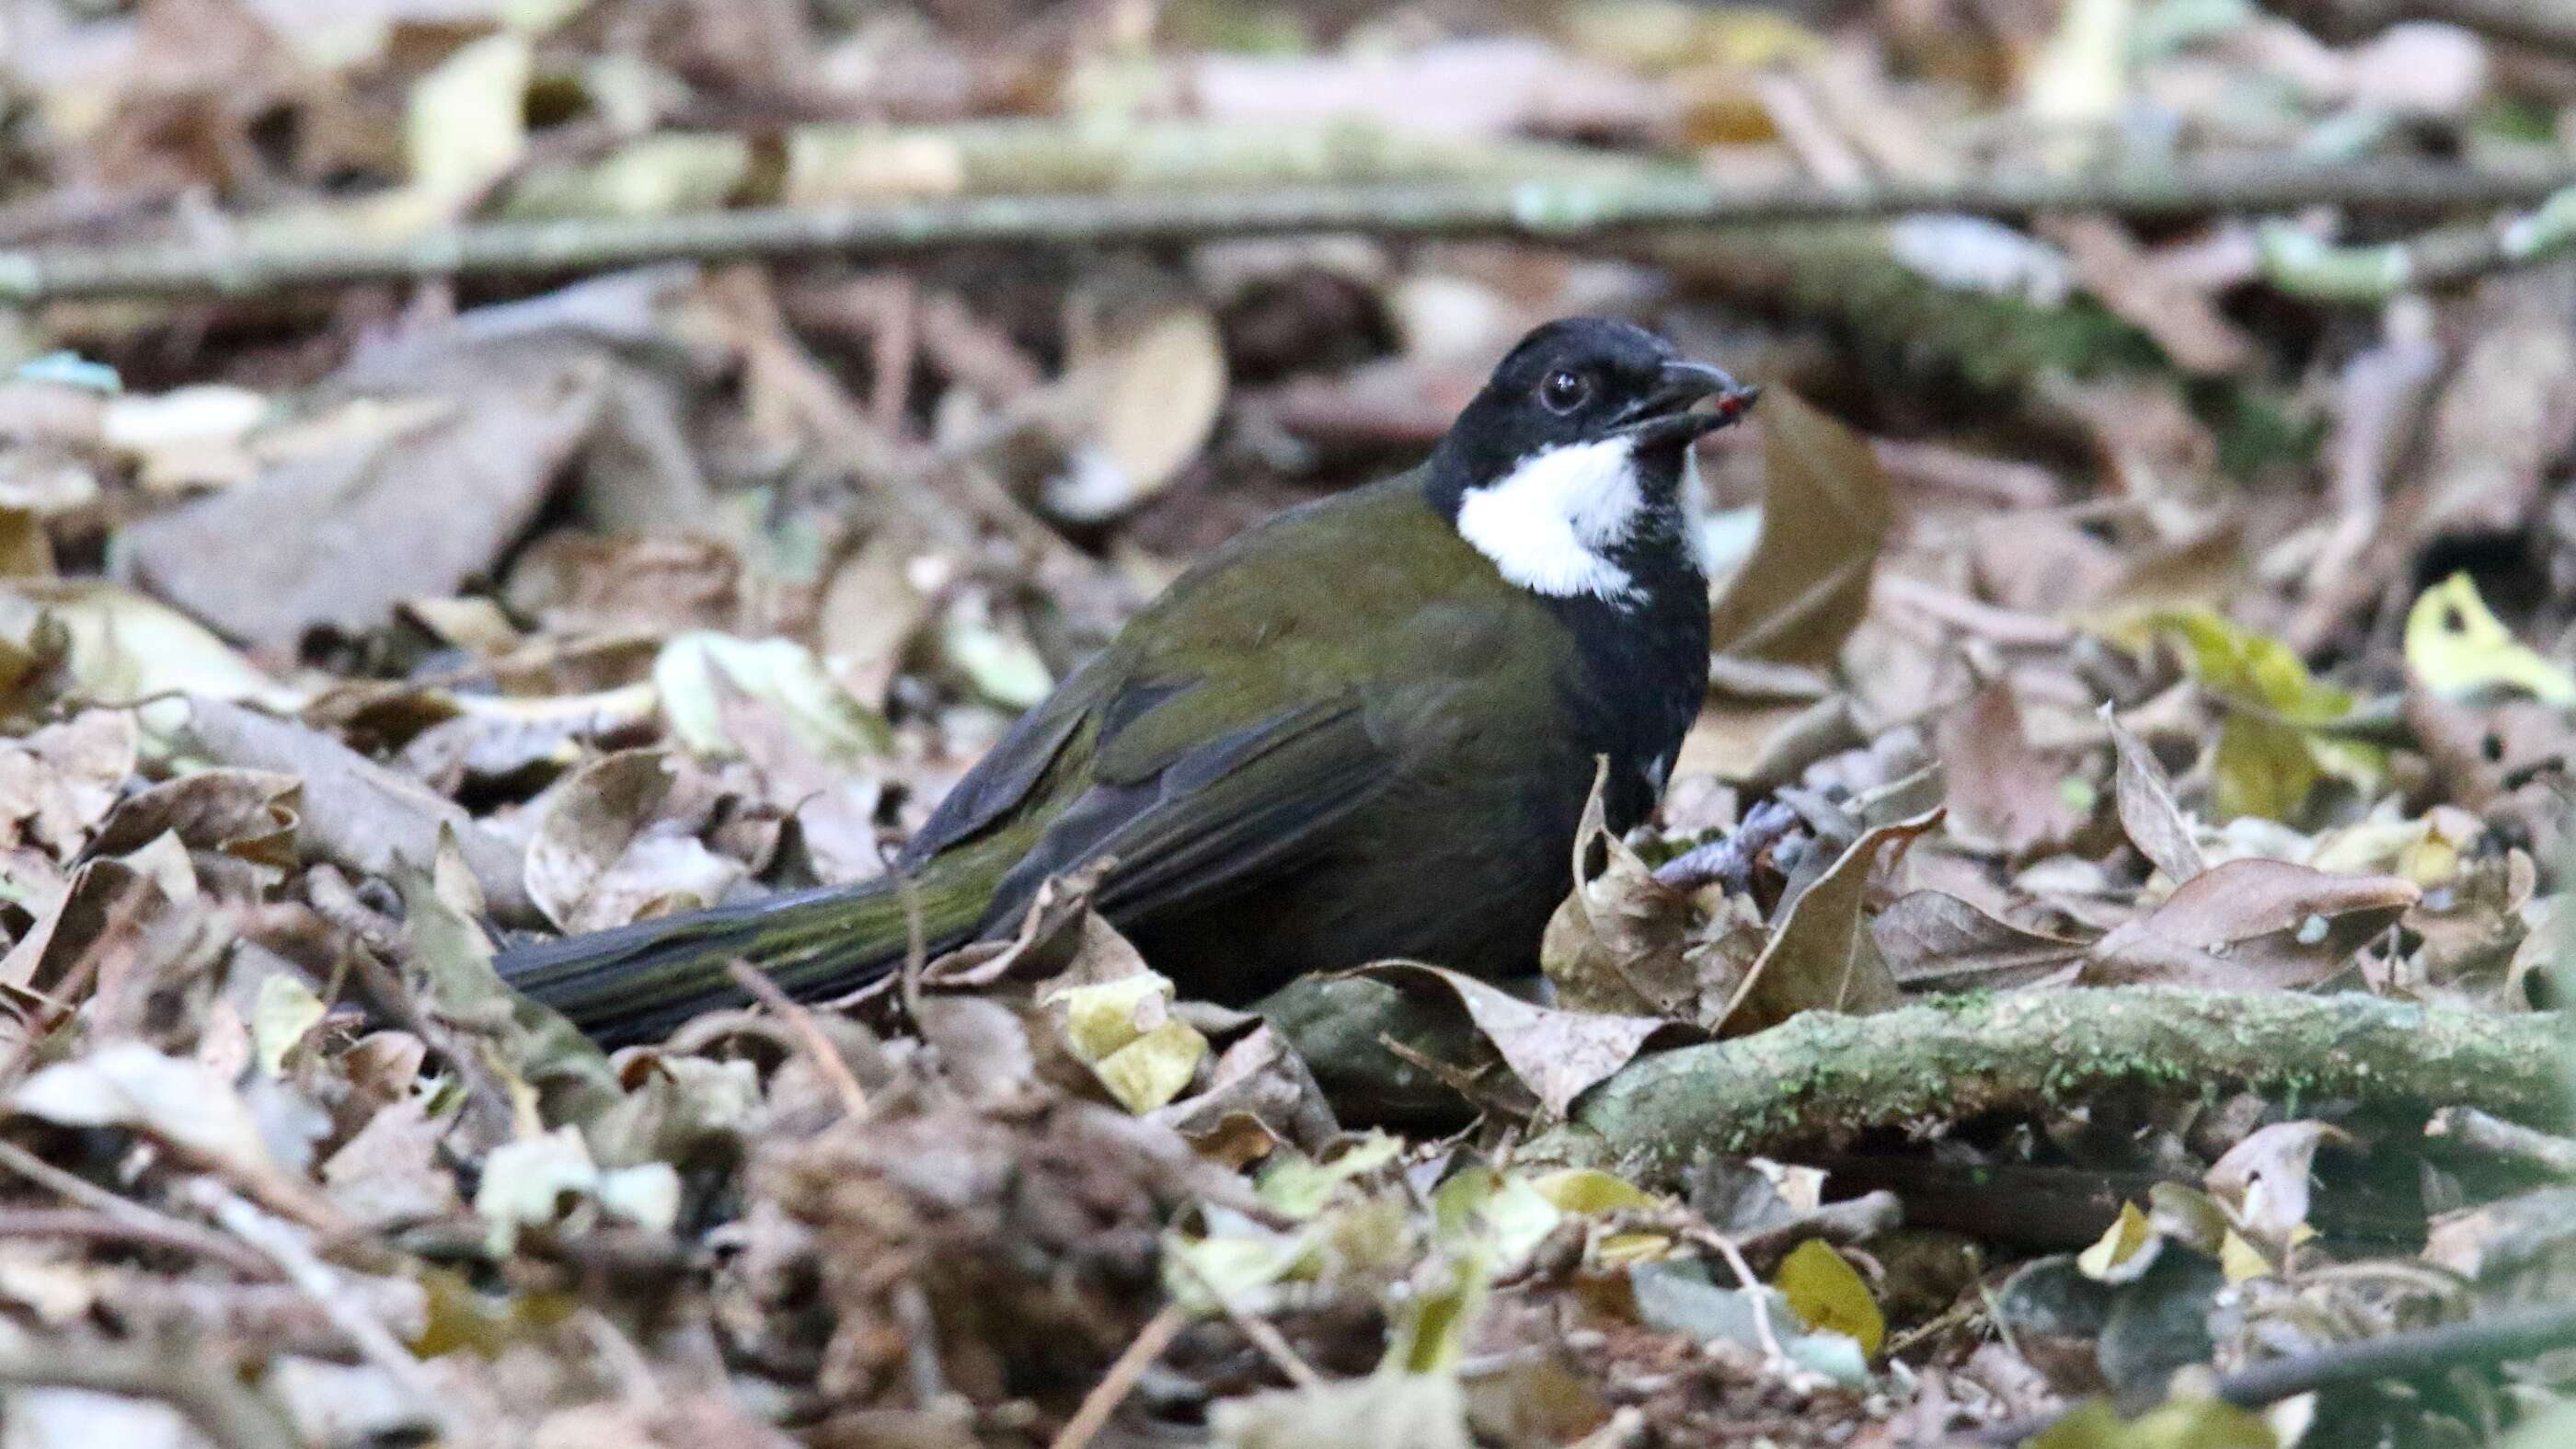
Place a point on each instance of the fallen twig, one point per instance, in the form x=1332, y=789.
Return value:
x=1111, y=1391
x=98, y=1227
x=2304, y=265
x=1257, y=1330
x=211, y=1394
x=1820, y=1075
x=1729, y=862
x=809, y=1034
x=2415, y=1354
x=285, y=1245
x=2486, y=1132
x=136, y=1221
x=1553, y=209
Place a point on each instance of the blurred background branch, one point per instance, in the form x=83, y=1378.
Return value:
x=1567, y=211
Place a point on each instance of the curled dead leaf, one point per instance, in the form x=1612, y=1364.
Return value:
x=1825, y=515
x=2251, y=924
x=2000, y=789
x=1822, y=955
x=356, y=813
x=604, y=854
x=1557, y=1054
x=1934, y=941
x=2265, y=1179
x=1616, y=943
x=2154, y=821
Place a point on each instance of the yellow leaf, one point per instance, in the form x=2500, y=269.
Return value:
x=1621, y=1250
x=1151, y=1070
x=1823, y=1289
x=1589, y=1192
x=2241, y=1260
x=1299, y=1186
x=2252, y=668
x=2262, y=768
x=1101, y=1018
x=467, y=123
x=1125, y=1032
x=1825, y=514
x=2271, y=751
x=2456, y=646
x=2180, y=1424
x=287, y=1009
x=1481, y=1210
x=2116, y=1257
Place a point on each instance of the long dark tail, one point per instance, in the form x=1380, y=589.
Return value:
x=635, y=983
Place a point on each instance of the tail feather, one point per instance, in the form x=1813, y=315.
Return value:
x=637, y=982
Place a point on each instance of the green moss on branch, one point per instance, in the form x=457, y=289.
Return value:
x=1952, y=1058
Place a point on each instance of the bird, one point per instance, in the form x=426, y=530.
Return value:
x=1366, y=728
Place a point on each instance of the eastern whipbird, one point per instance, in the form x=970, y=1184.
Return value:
x=1363, y=729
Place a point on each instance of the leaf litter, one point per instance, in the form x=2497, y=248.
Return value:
x=2088, y=620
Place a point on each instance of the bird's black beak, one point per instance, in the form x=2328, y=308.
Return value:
x=1667, y=413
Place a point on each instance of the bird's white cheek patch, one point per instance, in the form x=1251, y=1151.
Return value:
x=1549, y=525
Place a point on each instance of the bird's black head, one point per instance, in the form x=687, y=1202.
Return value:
x=1581, y=380
x=1569, y=462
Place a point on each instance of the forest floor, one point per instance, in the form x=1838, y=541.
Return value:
x=475, y=469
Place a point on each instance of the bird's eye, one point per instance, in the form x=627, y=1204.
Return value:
x=1564, y=391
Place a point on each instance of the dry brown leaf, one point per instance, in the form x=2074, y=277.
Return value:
x=388, y=1174
x=341, y=535
x=1261, y=1081
x=1557, y=1054
x=2508, y=413
x=1934, y=941
x=577, y=582
x=1616, y=943
x=2001, y=791
x=2251, y=924
x=1146, y=375
x=2265, y=1178
x=1822, y=956
x=249, y=814
x=1825, y=515
x=357, y=813
x=59, y=783
x=100, y=896
x=2150, y=816
x=604, y=854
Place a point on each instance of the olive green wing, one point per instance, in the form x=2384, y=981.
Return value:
x=1229, y=809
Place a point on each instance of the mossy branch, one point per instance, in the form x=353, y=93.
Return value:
x=1555, y=209
x=2305, y=266
x=1951, y=1058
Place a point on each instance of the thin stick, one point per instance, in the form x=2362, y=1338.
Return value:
x=2489, y=1133
x=230, y=1413
x=809, y=1035
x=1751, y=1286
x=1556, y=209
x=320, y=1282
x=185, y=1237
x=1111, y=1391
x=1260, y=1331
x=145, y=1223
x=2416, y=1354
